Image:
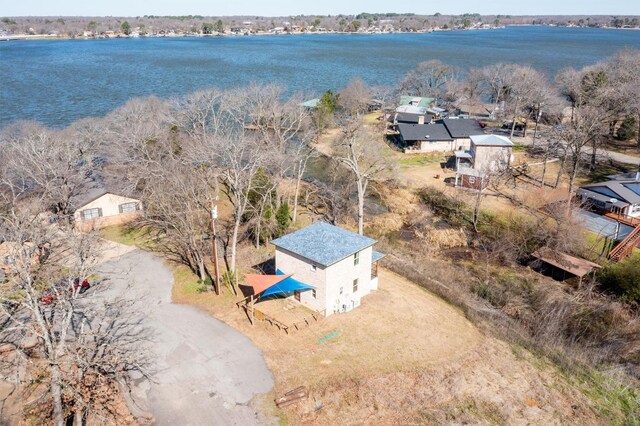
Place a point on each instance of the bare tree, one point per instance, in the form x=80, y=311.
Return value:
x=622, y=96
x=329, y=199
x=197, y=113
x=576, y=138
x=53, y=166
x=53, y=321
x=355, y=98
x=569, y=82
x=238, y=160
x=496, y=81
x=177, y=202
x=529, y=92
x=430, y=78
x=358, y=153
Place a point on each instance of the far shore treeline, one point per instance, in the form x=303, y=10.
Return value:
x=151, y=25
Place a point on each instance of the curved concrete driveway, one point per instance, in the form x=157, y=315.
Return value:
x=204, y=372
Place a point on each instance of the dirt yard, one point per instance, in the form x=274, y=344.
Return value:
x=403, y=357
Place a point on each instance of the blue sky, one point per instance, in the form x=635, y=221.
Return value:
x=324, y=7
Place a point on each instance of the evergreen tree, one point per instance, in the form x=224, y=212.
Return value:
x=283, y=218
x=628, y=128
x=207, y=28
x=125, y=28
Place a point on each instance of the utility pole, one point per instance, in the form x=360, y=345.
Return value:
x=214, y=247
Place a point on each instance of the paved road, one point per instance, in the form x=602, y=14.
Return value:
x=600, y=153
x=205, y=372
x=543, y=139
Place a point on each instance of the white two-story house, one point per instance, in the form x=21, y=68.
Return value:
x=340, y=264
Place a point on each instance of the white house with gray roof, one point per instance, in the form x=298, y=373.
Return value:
x=617, y=196
x=340, y=264
x=488, y=154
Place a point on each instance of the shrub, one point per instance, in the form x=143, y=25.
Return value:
x=623, y=279
x=628, y=128
x=442, y=205
x=283, y=218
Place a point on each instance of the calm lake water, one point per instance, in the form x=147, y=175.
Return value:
x=57, y=82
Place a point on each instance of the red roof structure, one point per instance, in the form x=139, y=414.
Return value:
x=262, y=282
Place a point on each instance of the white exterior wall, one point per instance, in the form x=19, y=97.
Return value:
x=462, y=144
x=109, y=203
x=442, y=146
x=491, y=158
x=342, y=274
x=329, y=280
x=302, y=270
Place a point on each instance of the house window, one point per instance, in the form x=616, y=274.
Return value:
x=89, y=214
x=313, y=268
x=341, y=290
x=356, y=259
x=313, y=293
x=128, y=207
x=355, y=285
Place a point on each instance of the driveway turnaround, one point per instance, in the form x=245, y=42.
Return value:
x=203, y=372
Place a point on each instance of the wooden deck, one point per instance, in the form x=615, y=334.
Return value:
x=627, y=220
x=286, y=314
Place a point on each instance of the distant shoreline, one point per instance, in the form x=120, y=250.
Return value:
x=25, y=37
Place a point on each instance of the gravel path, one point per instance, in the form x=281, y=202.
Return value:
x=205, y=372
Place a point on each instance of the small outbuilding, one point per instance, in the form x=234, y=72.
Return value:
x=337, y=266
x=564, y=265
x=491, y=153
x=470, y=178
x=488, y=154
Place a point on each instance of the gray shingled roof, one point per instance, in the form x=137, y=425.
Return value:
x=376, y=255
x=628, y=191
x=323, y=243
x=490, y=140
x=424, y=132
x=462, y=128
x=603, y=198
x=406, y=117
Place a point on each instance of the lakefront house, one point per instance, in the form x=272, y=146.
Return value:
x=340, y=265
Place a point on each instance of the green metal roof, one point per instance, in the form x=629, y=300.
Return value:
x=422, y=102
x=311, y=103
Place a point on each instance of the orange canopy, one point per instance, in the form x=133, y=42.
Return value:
x=262, y=282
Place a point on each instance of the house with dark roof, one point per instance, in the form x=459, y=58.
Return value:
x=621, y=197
x=341, y=266
x=101, y=208
x=425, y=138
x=411, y=118
x=443, y=135
x=461, y=130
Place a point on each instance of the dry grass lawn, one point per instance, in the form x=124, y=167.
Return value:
x=403, y=357
x=399, y=327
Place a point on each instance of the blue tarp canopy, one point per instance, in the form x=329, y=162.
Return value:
x=287, y=285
